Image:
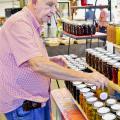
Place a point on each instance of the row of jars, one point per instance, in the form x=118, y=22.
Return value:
x=76, y=63
x=113, y=33
x=79, y=30
x=95, y=107
x=106, y=63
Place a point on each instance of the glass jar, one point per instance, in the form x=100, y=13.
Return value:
x=89, y=107
x=101, y=111
x=96, y=106
x=88, y=55
x=82, y=99
x=109, y=68
x=93, y=58
x=102, y=94
x=97, y=65
x=115, y=107
x=104, y=66
x=100, y=63
x=109, y=116
x=118, y=115
x=75, y=84
x=110, y=102
x=86, y=96
x=115, y=71
x=78, y=88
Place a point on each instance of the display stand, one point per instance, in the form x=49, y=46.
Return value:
x=67, y=107
x=91, y=37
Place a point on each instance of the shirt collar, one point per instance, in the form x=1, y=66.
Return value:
x=36, y=24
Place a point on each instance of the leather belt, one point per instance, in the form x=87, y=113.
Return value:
x=30, y=105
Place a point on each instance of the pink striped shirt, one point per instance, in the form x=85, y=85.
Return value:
x=20, y=41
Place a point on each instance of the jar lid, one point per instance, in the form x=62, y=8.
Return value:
x=103, y=95
x=103, y=57
x=91, y=100
x=81, y=67
x=109, y=116
x=89, y=50
x=104, y=52
x=117, y=65
x=85, y=90
x=94, y=53
x=112, y=55
x=108, y=53
x=117, y=58
x=94, y=88
x=103, y=110
x=99, y=55
x=88, y=94
x=77, y=83
x=98, y=104
x=118, y=113
x=99, y=49
x=115, y=107
x=106, y=59
x=111, y=101
x=112, y=62
x=81, y=86
x=89, y=84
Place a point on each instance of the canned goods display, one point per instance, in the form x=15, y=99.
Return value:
x=109, y=116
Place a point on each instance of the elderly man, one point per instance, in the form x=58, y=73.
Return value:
x=26, y=68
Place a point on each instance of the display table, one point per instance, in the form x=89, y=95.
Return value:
x=66, y=106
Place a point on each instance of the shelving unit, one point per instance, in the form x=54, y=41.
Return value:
x=94, y=7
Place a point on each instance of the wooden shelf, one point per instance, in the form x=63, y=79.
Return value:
x=89, y=6
x=97, y=35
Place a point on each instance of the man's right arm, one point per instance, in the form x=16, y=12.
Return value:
x=46, y=67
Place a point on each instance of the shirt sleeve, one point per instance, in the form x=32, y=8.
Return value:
x=22, y=42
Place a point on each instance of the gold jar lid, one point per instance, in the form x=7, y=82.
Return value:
x=111, y=101
x=103, y=95
x=98, y=104
x=109, y=116
x=103, y=110
x=115, y=107
x=91, y=100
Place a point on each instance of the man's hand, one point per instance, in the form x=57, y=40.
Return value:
x=60, y=60
x=98, y=79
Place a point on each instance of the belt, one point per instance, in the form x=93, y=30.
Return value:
x=30, y=105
